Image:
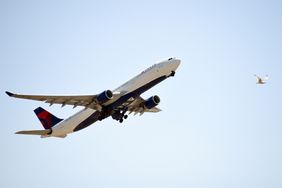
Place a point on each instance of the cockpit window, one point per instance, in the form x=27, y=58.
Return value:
x=170, y=58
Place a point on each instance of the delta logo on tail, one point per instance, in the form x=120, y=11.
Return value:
x=47, y=119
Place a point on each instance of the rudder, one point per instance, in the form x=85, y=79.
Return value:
x=47, y=119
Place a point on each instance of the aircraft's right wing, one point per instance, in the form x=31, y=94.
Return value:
x=89, y=101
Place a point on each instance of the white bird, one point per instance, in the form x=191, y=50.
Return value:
x=261, y=80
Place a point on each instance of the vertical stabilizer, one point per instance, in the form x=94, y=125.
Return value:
x=47, y=119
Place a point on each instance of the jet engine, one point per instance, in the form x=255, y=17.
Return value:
x=152, y=102
x=104, y=96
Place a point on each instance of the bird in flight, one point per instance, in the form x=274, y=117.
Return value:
x=261, y=80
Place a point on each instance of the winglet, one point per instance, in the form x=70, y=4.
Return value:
x=10, y=94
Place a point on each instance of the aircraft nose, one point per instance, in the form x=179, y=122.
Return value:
x=176, y=63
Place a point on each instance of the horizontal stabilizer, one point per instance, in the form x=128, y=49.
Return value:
x=35, y=132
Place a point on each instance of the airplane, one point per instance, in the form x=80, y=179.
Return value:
x=261, y=80
x=116, y=103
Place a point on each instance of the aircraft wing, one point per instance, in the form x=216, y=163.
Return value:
x=88, y=101
x=137, y=106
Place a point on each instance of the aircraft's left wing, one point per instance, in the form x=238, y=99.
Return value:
x=88, y=101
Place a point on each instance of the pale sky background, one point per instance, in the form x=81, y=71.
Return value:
x=217, y=129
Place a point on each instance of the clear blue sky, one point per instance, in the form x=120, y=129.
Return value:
x=217, y=129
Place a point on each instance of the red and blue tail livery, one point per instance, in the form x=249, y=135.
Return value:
x=47, y=119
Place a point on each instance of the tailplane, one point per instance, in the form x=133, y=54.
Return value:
x=35, y=132
x=47, y=119
x=43, y=133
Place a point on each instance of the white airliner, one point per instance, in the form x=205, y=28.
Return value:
x=116, y=103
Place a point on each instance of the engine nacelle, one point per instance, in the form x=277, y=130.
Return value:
x=152, y=102
x=104, y=96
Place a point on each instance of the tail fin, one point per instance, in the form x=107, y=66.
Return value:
x=47, y=119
